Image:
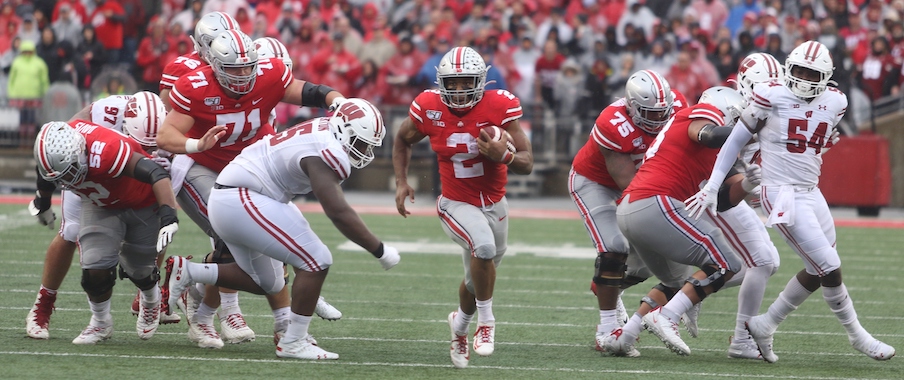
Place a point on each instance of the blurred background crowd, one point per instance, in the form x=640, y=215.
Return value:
x=565, y=59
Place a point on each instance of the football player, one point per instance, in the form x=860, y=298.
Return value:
x=473, y=171
x=220, y=109
x=602, y=168
x=128, y=214
x=138, y=116
x=664, y=236
x=794, y=120
x=251, y=208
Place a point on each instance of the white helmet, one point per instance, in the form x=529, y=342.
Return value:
x=207, y=29
x=758, y=68
x=649, y=100
x=269, y=47
x=729, y=101
x=60, y=154
x=143, y=116
x=810, y=55
x=233, y=49
x=461, y=62
x=358, y=122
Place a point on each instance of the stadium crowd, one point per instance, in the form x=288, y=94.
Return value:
x=569, y=56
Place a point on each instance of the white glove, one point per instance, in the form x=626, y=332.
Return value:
x=337, y=101
x=705, y=199
x=390, y=257
x=169, y=225
x=164, y=162
x=831, y=140
x=752, y=178
x=45, y=217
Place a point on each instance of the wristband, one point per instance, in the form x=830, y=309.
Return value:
x=378, y=253
x=508, y=157
x=191, y=146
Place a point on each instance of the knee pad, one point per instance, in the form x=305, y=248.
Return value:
x=486, y=251
x=715, y=278
x=609, y=263
x=665, y=290
x=100, y=282
x=147, y=282
x=631, y=280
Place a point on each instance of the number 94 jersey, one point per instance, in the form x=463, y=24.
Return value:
x=466, y=175
x=199, y=95
x=795, y=133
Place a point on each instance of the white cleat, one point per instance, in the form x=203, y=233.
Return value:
x=459, y=350
x=177, y=282
x=148, y=320
x=94, y=334
x=620, y=312
x=875, y=349
x=762, y=335
x=485, y=339
x=615, y=344
x=667, y=331
x=235, y=329
x=204, y=335
x=690, y=319
x=304, y=348
x=743, y=349
x=37, y=322
x=326, y=311
x=279, y=331
x=190, y=302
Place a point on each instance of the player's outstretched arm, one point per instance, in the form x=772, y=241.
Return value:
x=325, y=185
x=307, y=94
x=171, y=136
x=407, y=136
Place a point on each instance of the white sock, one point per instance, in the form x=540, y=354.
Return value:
x=201, y=288
x=204, y=273
x=150, y=297
x=485, y=312
x=230, y=302
x=632, y=329
x=788, y=300
x=100, y=314
x=281, y=314
x=204, y=315
x=677, y=306
x=298, y=327
x=608, y=317
x=840, y=302
x=750, y=298
x=461, y=322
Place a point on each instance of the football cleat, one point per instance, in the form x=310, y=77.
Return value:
x=148, y=320
x=616, y=344
x=304, y=348
x=690, y=319
x=190, y=302
x=459, y=348
x=875, y=349
x=620, y=311
x=743, y=349
x=37, y=321
x=94, y=334
x=235, y=329
x=762, y=334
x=204, y=335
x=666, y=330
x=279, y=330
x=326, y=311
x=176, y=283
x=484, y=339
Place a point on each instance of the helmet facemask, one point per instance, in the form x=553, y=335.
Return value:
x=238, y=78
x=234, y=60
x=462, y=91
x=800, y=80
x=651, y=120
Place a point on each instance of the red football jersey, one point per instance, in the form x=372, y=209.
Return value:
x=676, y=165
x=466, y=175
x=199, y=95
x=179, y=67
x=108, y=154
x=615, y=131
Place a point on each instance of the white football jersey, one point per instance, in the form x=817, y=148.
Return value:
x=795, y=133
x=108, y=112
x=271, y=166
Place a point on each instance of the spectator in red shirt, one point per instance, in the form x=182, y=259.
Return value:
x=8, y=15
x=107, y=19
x=877, y=70
x=153, y=55
x=337, y=66
x=400, y=71
x=547, y=68
x=371, y=85
x=684, y=79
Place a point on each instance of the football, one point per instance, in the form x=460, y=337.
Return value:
x=497, y=134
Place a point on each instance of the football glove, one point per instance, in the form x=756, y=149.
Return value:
x=831, y=140
x=169, y=225
x=337, y=101
x=40, y=207
x=705, y=199
x=390, y=257
x=753, y=175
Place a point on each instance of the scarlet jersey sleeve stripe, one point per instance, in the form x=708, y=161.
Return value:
x=334, y=163
x=705, y=113
x=180, y=100
x=600, y=139
x=122, y=159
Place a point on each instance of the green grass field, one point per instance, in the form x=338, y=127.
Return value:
x=394, y=323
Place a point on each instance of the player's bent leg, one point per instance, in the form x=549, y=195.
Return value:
x=150, y=305
x=298, y=343
x=98, y=284
x=57, y=262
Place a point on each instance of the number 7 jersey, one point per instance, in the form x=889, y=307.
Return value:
x=795, y=133
x=199, y=95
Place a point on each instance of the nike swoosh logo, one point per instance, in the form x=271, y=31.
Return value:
x=503, y=217
x=256, y=101
x=148, y=330
x=482, y=124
